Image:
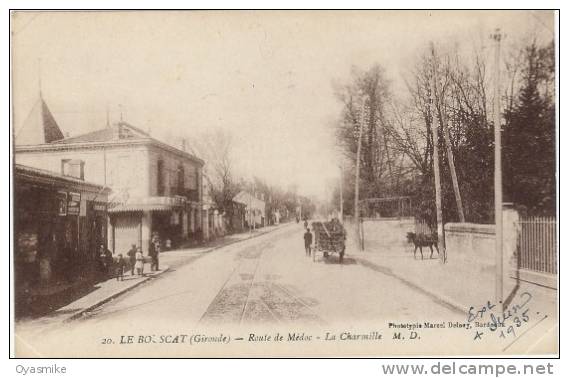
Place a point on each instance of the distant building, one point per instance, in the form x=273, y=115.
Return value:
x=59, y=224
x=254, y=209
x=155, y=187
x=212, y=219
x=236, y=222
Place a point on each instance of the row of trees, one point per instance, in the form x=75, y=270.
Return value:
x=223, y=183
x=451, y=91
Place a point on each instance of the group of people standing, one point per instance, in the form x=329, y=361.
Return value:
x=134, y=259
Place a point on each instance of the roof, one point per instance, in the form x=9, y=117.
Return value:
x=248, y=199
x=39, y=127
x=121, y=130
x=120, y=133
x=47, y=177
x=40, y=131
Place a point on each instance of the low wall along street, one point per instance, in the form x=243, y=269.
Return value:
x=470, y=251
x=470, y=256
x=386, y=232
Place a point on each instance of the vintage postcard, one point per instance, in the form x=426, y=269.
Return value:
x=284, y=183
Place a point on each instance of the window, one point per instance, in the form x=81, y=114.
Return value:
x=73, y=168
x=192, y=173
x=197, y=179
x=160, y=178
x=125, y=133
x=180, y=179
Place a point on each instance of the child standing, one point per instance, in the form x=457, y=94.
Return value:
x=139, y=265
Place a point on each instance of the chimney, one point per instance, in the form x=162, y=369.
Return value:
x=184, y=144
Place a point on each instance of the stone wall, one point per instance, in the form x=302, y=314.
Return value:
x=387, y=232
x=471, y=254
x=471, y=244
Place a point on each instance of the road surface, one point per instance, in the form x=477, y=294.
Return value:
x=264, y=283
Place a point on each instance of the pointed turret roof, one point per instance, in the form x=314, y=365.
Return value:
x=39, y=127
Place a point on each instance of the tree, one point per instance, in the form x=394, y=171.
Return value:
x=397, y=153
x=377, y=160
x=529, y=135
x=438, y=98
x=216, y=149
x=460, y=117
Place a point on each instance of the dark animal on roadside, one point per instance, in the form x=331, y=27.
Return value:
x=422, y=240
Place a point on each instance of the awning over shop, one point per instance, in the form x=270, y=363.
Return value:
x=148, y=204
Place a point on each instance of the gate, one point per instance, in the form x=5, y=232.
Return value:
x=538, y=244
x=421, y=227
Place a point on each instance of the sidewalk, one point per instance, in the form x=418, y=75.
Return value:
x=106, y=291
x=445, y=281
x=103, y=292
x=457, y=286
x=98, y=294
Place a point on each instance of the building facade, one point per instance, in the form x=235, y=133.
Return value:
x=254, y=209
x=59, y=224
x=156, y=188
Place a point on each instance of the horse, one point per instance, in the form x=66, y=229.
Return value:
x=422, y=240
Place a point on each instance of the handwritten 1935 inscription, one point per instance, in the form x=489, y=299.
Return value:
x=284, y=183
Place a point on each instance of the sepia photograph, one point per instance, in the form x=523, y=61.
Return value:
x=284, y=183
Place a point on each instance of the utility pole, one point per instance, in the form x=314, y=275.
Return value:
x=358, y=153
x=450, y=155
x=342, y=193
x=453, y=176
x=254, y=210
x=497, y=36
x=434, y=128
x=250, y=207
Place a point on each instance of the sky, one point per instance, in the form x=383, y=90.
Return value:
x=265, y=77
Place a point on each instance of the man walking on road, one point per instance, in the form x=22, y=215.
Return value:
x=307, y=241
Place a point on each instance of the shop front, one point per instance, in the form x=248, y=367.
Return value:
x=59, y=222
x=167, y=224
x=135, y=221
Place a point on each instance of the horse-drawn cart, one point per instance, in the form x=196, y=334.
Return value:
x=329, y=237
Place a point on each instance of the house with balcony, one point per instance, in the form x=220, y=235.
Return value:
x=155, y=187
